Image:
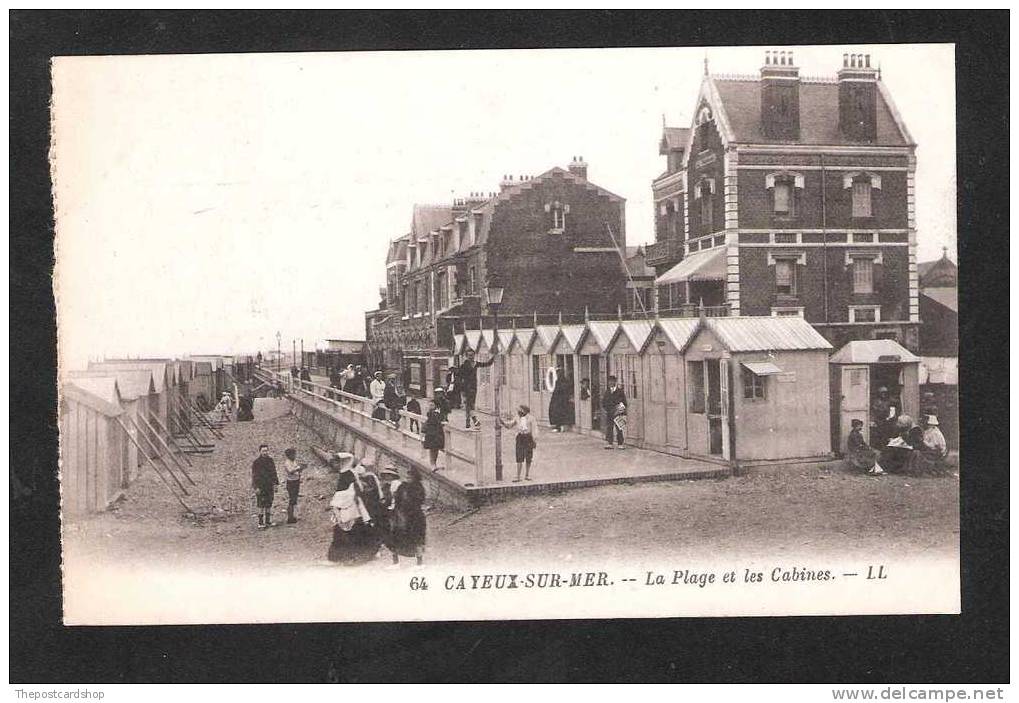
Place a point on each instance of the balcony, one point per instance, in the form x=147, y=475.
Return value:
x=694, y=310
x=664, y=252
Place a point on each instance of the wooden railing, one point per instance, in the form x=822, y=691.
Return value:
x=461, y=445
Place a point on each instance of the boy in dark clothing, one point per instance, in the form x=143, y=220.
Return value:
x=264, y=480
x=467, y=373
x=413, y=406
x=613, y=397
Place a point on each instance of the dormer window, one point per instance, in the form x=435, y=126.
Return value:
x=704, y=117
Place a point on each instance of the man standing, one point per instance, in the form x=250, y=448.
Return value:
x=264, y=480
x=883, y=414
x=377, y=388
x=292, y=471
x=467, y=372
x=613, y=402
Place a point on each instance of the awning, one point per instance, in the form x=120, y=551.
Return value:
x=703, y=266
x=761, y=368
x=873, y=351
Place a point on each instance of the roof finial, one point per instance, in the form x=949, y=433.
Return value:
x=587, y=314
x=705, y=64
x=560, y=318
x=944, y=252
x=619, y=312
x=535, y=318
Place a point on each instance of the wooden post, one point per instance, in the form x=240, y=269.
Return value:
x=448, y=445
x=170, y=438
x=478, y=459
x=154, y=467
x=168, y=450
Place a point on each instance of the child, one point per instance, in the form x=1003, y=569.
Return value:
x=434, y=436
x=292, y=472
x=527, y=429
x=264, y=481
x=413, y=406
x=860, y=455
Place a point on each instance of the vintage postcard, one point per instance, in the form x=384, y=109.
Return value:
x=469, y=335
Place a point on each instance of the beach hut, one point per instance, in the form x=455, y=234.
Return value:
x=757, y=390
x=518, y=368
x=138, y=398
x=541, y=362
x=565, y=358
x=485, y=399
x=858, y=371
x=93, y=454
x=593, y=344
x=164, y=376
x=624, y=362
x=664, y=374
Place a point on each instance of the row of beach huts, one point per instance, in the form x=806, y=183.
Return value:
x=729, y=389
x=119, y=416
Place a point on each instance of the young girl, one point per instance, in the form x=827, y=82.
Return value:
x=527, y=430
x=434, y=436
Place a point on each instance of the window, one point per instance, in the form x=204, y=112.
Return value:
x=408, y=305
x=785, y=276
x=753, y=385
x=695, y=382
x=863, y=275
x=557, y=212
x=539, y=367
x=415, y=375
x=861, y=198
x=706, y=205
x=784, y=198
x=787, y=312
x=472, y=280
x=864, y=313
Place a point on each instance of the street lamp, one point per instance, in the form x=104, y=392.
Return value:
x=494, y=294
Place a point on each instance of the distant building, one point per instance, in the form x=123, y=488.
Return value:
x=939, y=342
x=556, y=243
x=791, y=195
x=331, y=354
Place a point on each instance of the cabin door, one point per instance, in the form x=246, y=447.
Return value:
x=655, y=417
x=855, y=402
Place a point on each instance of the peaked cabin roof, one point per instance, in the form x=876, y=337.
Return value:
x=745, y=334
x=487, y=336
x=547, y=334
x=458, y=343
x=524, y=336
x=572, y=334
x=602, y=332
x=873, y=351
x=819, y=113
x=132, y=384
x=636, y=331
x=472, y=337
x=505, y=339
x=98, y=392
x=157, y=368
x=679, y=330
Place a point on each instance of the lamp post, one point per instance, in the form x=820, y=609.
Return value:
x=279, y=352
x=494, y=294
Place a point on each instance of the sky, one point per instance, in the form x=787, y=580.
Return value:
x=205, y=203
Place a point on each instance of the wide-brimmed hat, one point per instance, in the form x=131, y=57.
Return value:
x=346, y=459
x=931, y=420
x=882, y=389
x=389, y=473
x=857, y=423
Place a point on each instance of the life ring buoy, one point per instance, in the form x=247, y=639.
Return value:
x=551, y=378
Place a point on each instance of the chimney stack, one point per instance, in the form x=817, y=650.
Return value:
x=858, y=98
x=578, y=167
x=506, y=182
x=780, y=97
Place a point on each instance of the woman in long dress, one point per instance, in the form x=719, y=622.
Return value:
x=407, y=527
x=355, y=539
x=560, y=406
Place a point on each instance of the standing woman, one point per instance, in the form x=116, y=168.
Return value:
x=434, y=436
x=354, y=539
x=527, y=430
x=407, y=524
x=560, y=406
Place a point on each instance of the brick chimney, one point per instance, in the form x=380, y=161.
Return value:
x=578, y=167
x=780, y=97
x=858, y=98
x=506, y=182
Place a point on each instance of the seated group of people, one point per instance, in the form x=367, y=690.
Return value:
x=912, y=449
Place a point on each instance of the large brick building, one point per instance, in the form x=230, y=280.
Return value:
x=791, y=195
x=556, y=243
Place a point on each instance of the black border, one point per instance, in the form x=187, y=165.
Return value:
x=970, y=648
